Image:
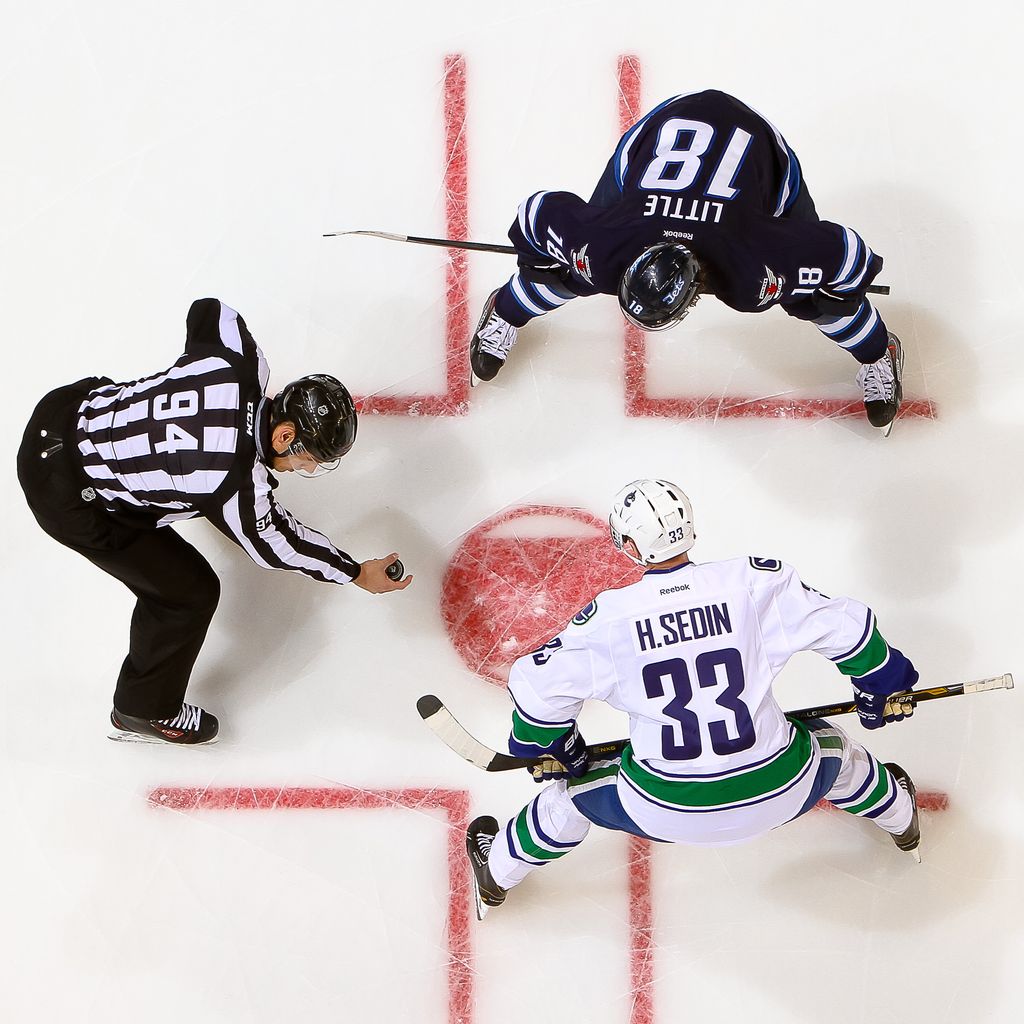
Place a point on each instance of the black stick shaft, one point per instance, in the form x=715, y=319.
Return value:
x=452, y=243
x=810, y=714
x=449, y=243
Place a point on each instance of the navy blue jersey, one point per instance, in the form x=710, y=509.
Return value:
x=708, y=172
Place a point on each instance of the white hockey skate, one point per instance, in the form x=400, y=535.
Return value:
x=491, y=344
x=882, y=382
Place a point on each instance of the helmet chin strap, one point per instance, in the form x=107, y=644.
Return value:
x=294, y=451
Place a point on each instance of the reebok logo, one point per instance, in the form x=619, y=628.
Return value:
x=674, y=590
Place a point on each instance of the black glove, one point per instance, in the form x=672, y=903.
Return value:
x=835, y=304
x=554, y=275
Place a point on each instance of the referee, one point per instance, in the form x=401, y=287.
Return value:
x=105, y=467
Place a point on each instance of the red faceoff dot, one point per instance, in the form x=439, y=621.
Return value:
x=520, y=576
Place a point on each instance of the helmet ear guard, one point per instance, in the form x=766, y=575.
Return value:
x=323, y=414
x=656, y=516
x=658, y=288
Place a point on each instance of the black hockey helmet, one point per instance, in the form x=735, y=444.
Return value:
x=659, y=286
x=323, y=413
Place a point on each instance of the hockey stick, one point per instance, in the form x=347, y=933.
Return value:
x=447, y=243
x=444, y=725
x=451, y=243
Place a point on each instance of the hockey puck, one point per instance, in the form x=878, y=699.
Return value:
x=395, y=571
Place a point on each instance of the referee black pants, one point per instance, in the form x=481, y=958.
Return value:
x=176, y=590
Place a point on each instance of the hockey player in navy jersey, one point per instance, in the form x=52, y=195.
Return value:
x=701, y=196
x=690, y=652
x=107, y=469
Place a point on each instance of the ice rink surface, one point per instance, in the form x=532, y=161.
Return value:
x=308, y=866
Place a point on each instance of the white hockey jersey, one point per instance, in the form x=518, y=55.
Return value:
x=690, y=654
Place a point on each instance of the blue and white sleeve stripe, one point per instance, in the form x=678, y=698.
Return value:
x=850, y=331
x=528, y=210
x=537, y=299
x=857, y=258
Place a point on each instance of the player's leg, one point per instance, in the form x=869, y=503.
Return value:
x=867, y=788
x=528, y=294
x=862, y=332
x=546, y=829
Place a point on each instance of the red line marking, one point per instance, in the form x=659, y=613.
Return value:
x=455, y=399
x=640, y=403
x=926, y=801
x=641, y=913
x=735, y=407
x=455, y=804
x=641, y=932
x=497, y=603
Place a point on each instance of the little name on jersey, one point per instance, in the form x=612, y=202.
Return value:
x=680, y=208
x=680, y=626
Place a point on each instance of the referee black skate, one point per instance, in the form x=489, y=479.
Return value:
x=107, y=467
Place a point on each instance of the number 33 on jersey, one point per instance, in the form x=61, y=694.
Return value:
x=690, y=654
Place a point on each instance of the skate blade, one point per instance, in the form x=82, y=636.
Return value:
x=135, y=737
x=916, y=854
x=481, y=907
x=473, y=379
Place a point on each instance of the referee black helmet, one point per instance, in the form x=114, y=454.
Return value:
x=323, y=414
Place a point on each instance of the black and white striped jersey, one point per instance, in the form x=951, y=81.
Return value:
x=194, y=440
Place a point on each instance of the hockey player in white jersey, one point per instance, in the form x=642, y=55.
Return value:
x=690, y=652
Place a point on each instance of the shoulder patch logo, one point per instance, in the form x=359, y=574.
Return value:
x=766, y=564
x=584, y=615
x=581, y=263
x=771, y=287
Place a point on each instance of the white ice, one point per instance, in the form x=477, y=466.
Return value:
x=156, y=153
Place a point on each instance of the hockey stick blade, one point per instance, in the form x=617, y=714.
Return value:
x=443, y=724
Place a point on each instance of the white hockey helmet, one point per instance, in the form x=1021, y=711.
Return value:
x=656, y=516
